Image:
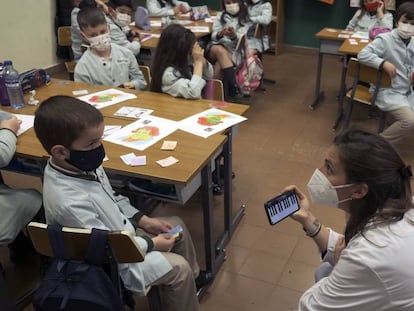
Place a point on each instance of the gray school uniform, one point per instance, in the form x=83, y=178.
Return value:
x=177, y=86
x=367, y=21
x=155, y=9
x=121, y=67
x=260, y=13
x=389, y=46
x=229, y=21
x=118, y=36
x=17, y=206
x=87, y=201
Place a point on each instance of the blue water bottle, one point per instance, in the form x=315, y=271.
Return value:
x=14, y=89
x=4, y=98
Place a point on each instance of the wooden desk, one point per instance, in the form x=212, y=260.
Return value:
x=195, y=154
x=329, y=41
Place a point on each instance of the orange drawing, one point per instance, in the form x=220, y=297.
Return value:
x=142, y=134
x=212, y=119
x=103, y=98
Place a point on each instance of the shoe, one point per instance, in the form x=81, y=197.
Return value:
x=21, y=250
x=233, y=174
x=204, y=278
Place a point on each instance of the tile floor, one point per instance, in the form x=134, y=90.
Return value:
x=268, y=268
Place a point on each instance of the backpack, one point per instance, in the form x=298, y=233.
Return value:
x=33, y=79
x=142, y=19
x=77, y=285
x=250, y=74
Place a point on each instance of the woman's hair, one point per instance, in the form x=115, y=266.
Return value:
x=60, y=120
x=363, y=11
x=162, y=3
x=243, y=15
x=174, y=47
x=116, y=3
x=405, y=9
x=370, y=159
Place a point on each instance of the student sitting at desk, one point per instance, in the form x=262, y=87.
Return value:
x=119, y=32
x=167, y=7
x=17, y=206
x=105, y=63
x=394, y=53
x=228, y=27
x=260, y=13
x=77, y=193
x=371, y=13
x=179, y=67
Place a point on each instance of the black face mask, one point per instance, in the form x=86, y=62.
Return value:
x=88, y=160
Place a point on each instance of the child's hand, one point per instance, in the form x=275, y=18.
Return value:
x=390, y=69
x=182, y=8
x=154, y=225
x=197, y=53
x=129, y=85
x=380, y=9
x=163, y=243
x=12, y=124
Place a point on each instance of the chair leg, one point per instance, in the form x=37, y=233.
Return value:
x=348, y=115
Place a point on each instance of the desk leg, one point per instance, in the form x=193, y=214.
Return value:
x=342, y=87
x=318, y=94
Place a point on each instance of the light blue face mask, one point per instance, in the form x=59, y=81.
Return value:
x=323, y=192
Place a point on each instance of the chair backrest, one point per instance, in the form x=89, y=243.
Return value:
x=123, y=244
x=64, y=36
x=213, y=90
x=146, y=71
x=364, y=73
x=262, y=32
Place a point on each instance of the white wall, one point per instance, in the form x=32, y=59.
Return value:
x=27, y=34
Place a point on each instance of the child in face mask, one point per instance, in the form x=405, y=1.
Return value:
x=371, y=13
x=167, y=7
x=260, y=12
x=228, y=27
x=179, y=67
x=105, y=63
x=394, y=53
x=370, y=265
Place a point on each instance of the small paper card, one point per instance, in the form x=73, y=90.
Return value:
x=79, y=92
x=169, y=145
x=133, y=160
x=133, y=112
x=174, y=232
x=167, y=161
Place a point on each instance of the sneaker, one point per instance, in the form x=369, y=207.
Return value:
x=203, y=279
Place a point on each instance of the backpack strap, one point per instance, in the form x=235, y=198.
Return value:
x=57, y=242
x=97, y=247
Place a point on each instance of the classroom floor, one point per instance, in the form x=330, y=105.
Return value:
x=268, y=268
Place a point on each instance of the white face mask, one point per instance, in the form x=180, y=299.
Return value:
x=123, y=19
x=405, y=31
x=322, y=192
x=101, y=43
x=233, y=8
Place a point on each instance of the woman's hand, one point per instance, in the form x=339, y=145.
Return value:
x=163, y=243
x=12, y=124
x=303, y=215
x=154, y=225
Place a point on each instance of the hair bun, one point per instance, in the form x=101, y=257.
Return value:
x=406, y=171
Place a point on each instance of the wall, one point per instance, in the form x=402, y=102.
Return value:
x=27, y=33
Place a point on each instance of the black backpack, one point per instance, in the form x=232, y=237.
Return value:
x=77, y=285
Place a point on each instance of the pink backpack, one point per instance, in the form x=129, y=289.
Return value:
x=250, y=74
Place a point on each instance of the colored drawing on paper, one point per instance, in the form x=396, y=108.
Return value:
x=211, y=119
x=142, y=134
x=103, y=98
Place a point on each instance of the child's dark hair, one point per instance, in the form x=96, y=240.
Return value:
x=363, y=10
x=116, y=3
x=90, y=17
x=170, y=2
x=60, y=120
x=405, y=9
x=174, y=47
x=243, y=15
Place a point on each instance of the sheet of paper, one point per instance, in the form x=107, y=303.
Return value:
x=209, y=122
x=109, y=129
x=198, y=28
x=133, y=112
x=167, y=161
x=27, y=122
x=155, y=23
x=184, y=22
x=106, y=98
x=143, y=133
x=145, y=36
x=360, y=35
x=343, y=35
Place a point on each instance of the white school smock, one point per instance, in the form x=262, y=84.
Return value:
x=17, y=206
x=177, y=86
x=367, y=21
x=121, y=67
x=389, y=46
x=88, y=201
x=373, y=273
x=260, y=13
x=155, y=9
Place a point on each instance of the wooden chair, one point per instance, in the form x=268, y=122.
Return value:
x=64, y=39
x=214, y=90
x=262, y=32
x=360, y=93
x=146, y=71
x=122, y=243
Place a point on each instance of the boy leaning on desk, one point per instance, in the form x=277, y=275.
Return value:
x=77, y=193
